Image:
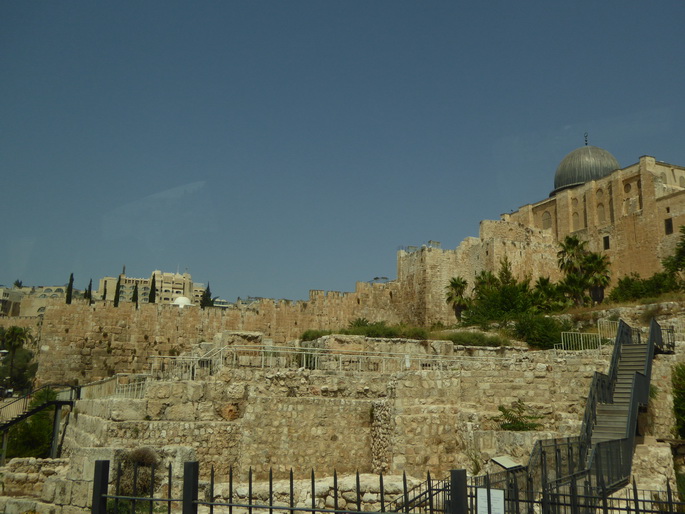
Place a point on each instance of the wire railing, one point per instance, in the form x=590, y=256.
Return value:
x=122, y=385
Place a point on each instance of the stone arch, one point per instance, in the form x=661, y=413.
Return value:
x=601, y=214
x=576, y=221
x=546, y=220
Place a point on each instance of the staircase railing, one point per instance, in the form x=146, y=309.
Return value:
x=610, y=462
x=16, y=410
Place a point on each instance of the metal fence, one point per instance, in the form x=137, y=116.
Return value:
x=141, y=489
x=579, y=341
x=122, y=385
x=451, y=496
x=315, y=358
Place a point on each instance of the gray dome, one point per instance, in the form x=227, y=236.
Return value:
x=583, y=165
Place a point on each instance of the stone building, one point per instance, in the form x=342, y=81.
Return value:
x=631, y=214
x=168, y=287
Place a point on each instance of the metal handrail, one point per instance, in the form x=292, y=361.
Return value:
x=22, y=405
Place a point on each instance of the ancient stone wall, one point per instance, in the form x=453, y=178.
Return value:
x=393, y=422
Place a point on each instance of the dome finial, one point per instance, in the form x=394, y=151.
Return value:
x=586, y=139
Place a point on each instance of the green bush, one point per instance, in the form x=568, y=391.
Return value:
x=678, y=382
x=633, y=287
x=518, y=417
x=311, y=335
x=540, y=331
x=33, y=436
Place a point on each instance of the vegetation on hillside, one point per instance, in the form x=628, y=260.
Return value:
x=17, y=368
x=363, y=327
x=33, y=436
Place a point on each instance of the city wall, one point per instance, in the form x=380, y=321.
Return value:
x=405, y=421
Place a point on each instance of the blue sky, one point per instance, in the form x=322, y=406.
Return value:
x=273, y=147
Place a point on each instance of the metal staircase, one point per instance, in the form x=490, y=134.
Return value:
x=598, y=462
x=22, y=408
x=612, y=419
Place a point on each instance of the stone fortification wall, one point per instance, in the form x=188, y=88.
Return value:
x=423, y=274
x=80, y=343
x=409, y=421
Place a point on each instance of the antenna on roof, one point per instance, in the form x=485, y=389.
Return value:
x=586, y=139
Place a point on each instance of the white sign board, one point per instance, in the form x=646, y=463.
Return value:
x=496, y=500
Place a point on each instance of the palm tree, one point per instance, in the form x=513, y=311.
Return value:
x=596, y=271
x=15, y=338
x=570, y=256
x=455, y=295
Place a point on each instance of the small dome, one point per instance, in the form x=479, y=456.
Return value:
x=583, y=165
x=182, y=301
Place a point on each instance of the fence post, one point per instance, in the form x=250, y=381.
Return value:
x=100, y=483
x=191, y=476
x=458, y=492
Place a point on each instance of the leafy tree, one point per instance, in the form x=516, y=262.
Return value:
x=596, y=270
x=17, y=284
x=135, y=295
x=571, y=254
x=455, y=295
x=33, y=436
x=117, y=293
x=586, y=273
x=498, y=298
x=675, y=264
x=547, y=296
x=18, y=358
x=153, y=291
x=70, y=289
x=206, y=299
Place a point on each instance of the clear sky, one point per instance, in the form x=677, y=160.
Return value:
x=273, y=147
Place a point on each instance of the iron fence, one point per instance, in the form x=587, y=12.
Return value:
x=121, y=385
x=488, y=495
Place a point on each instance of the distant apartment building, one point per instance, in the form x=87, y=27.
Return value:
x=168, y=287
x=10, y=301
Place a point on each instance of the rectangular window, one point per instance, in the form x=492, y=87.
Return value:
x=606, y=242
x=668, y=226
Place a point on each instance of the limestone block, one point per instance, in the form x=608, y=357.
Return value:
x=180, y=412
x=156, y=408
x=194, y=391
x=128, y=410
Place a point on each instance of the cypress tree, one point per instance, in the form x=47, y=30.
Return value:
x=89, y=293
x=104, y=294
x=153, y=293
x=117, y=293
x=206, y=299
x=135, y=295
x=70, y=289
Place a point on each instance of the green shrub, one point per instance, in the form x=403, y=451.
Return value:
x=633, y=287
x=540, y=331
x=33, y=436
x=518, y=417
x=311, y=335
x=678, y=382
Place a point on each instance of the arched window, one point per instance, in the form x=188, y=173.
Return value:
x=576, y=221
x=546, y=220
x=681, y=181
x=601, y=216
